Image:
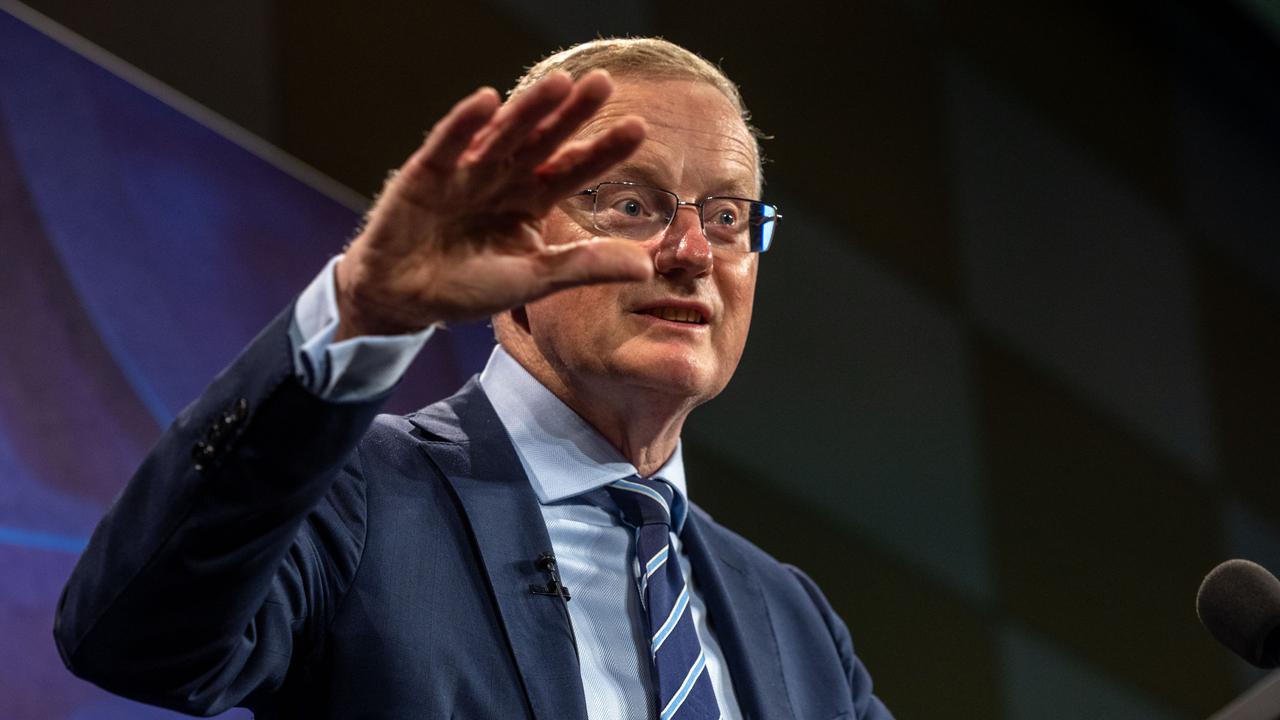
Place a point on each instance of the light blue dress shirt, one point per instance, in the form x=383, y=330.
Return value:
x=566, y=460
x=351, y=370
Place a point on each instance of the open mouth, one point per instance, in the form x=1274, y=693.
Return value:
x=688, y=316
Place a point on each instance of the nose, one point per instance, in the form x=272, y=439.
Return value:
x=684, y=248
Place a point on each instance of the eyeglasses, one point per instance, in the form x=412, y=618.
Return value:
x=639, y=212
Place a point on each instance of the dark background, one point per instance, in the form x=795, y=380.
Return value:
x=1011, y=388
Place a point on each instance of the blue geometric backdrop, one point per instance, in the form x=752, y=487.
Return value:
x=140, y=250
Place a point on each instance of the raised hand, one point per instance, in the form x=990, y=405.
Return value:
x=457, y=232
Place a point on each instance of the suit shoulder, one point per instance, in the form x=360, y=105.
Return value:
x=781, y=579
x=395, y=442
x=434, y=423
x=759, y=560
x=723, y=534
x=386, y=426
x=388, y=434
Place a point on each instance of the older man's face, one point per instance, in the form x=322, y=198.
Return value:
x=631, y=335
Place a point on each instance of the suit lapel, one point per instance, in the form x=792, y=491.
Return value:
x=740, y=619
x=476, y=457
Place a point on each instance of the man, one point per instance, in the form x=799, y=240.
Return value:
x=282, y=550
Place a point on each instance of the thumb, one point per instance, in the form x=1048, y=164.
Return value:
x=597, y=260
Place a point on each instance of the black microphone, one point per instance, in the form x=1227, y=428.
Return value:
x=546, y=562
x=1239, y=604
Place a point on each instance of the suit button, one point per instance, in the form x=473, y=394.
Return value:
x=203, y=452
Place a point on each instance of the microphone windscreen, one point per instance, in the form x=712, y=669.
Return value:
x=1239, y=603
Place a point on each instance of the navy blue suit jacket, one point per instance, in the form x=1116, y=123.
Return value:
x=306, y=559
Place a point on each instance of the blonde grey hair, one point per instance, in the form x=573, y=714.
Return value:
x=643, y=58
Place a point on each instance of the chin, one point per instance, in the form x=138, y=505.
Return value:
x=678, y=374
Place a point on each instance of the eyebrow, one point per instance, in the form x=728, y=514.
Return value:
x=632, y=172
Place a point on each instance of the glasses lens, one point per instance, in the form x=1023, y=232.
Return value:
x=743, y=225
x=633, y=212
x=724, y=220
x=763, y=221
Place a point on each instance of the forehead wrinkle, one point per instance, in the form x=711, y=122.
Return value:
x=660, y=162
x=721, y=134
x=604, y=119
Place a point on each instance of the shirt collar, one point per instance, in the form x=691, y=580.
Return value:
x=561, y=453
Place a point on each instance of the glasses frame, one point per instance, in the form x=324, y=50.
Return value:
x=594, y=194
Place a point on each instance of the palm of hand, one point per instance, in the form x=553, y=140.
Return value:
x=457, y=232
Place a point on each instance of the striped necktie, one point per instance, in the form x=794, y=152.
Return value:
x=681, y=683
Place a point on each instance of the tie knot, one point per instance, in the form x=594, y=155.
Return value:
x=642, y=501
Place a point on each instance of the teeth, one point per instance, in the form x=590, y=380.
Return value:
x=683, y=315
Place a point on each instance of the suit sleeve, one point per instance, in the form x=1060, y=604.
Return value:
x=213, y=574
x=866, y=705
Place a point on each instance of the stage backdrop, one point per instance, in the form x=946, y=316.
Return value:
x=141, y=249
x=1011, y=388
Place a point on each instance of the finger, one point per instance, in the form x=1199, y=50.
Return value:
x=455, y=131
x=597, y=260
x=577, y=163
x=589, y=94
x=513, y=123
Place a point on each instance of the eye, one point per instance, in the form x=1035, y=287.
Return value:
x=723, y=213
x=631, y=206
